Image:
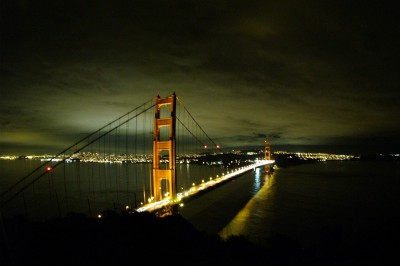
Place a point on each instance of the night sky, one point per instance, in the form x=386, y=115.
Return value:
x=293, y=72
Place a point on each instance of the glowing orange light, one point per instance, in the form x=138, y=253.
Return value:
x=205, y=146
x=49, y=168
x=218, y=146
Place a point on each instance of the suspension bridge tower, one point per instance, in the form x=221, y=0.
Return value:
x=267, y=150
x=164, y=146
x=267, y=154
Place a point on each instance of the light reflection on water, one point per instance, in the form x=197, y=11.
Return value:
x=257, y=180
x=240, y=224
x=302, y=201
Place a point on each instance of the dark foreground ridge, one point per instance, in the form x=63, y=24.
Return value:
x=121, y=239
x=143, y=238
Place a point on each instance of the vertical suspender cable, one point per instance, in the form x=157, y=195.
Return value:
x=136, y=156
x=65, y=184
x=126, y=164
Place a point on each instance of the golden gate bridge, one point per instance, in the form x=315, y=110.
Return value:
x=137, y=162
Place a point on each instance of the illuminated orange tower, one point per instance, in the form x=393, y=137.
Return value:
x=267, y=150
x=166, y=177
x=267, y=154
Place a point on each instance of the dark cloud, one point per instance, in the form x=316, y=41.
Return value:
x=298, y=72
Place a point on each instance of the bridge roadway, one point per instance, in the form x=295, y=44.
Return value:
x=153, y=206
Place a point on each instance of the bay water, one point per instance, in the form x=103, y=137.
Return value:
x=351, y=198
x=347, y=199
